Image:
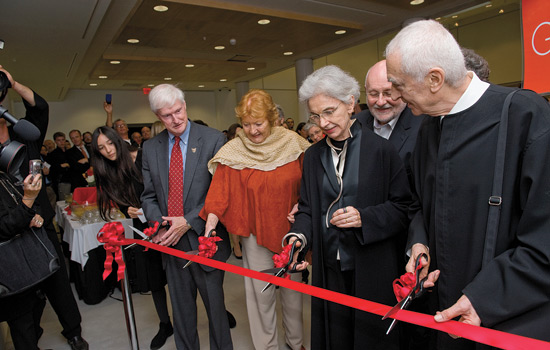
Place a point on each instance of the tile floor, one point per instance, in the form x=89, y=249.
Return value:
x=104, y=325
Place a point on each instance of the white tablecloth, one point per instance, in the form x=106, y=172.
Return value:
x=82, y=238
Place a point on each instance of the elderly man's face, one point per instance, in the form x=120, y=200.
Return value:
x=174, y=118
x=121, y=128
x=415, y=94
x=379, y=100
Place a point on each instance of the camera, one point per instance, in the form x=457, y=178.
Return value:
x=11, y=157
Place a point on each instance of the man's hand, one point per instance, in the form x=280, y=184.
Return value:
x=178, y=227
x=134, y=212
x=83, y=161
x=65, y=165
x=462, y=308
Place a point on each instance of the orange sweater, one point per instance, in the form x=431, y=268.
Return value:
x=254, y=201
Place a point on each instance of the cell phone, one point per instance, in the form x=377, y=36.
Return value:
x=35, y=167
x=108, y=98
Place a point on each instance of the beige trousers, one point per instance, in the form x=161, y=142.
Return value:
x=262, y=314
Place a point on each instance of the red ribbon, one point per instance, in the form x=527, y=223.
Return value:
x=403, y=285
x=68, y=210
x=112, y=237
x=281, y=260
x=478, y=334
x=207, y=246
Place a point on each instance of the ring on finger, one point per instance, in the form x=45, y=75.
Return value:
x=345, y=210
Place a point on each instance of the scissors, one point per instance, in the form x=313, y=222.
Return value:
x=417, y=291
x=195, y=252
x=279, y=272
x=145, y=237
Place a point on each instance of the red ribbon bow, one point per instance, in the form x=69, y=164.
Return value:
x=68, y=210
x=281, y=260
x=207, y=246
x=112, y=236
x=403, y=285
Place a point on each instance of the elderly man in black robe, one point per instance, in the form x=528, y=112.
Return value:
x=453, y=167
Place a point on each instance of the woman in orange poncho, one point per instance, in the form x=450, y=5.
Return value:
x=255, y=185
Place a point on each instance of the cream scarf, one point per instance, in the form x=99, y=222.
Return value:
x=281, y=147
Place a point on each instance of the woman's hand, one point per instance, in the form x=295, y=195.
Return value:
x=304, y=264
x=211, y=223
x=290, y=215
x=31, y=187
x=37, y=221
x=346, y=217
x=134, y=212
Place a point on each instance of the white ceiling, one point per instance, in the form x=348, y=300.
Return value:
x=57, y=45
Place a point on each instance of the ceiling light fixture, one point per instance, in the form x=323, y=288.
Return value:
x=438, y=19
x=133, y=41
x=501, y=11
x=456, y=24
x=251, y=68
x=455, y=16
x=189, y=65
x=264, y=21
x=151, y=85
x=489, y=5
x=167, y=78
x=223, y=79
x=416, y=2
x=201, y=85
x=102, y=77
x=340, y=32
x=93, y=84
x=219, y=47
x=288, y=53
x=114, y=62
x=160, y=8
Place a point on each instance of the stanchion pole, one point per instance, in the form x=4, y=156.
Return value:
x=129, y=309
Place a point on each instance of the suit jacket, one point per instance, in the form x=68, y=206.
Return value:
x=203, y=144
x=76, y=169
x=403, y=136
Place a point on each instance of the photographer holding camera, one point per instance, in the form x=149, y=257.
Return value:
x=57, y=288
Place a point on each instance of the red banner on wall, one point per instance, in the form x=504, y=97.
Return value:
x=536, y=45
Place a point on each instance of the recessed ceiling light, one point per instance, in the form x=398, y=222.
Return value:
x=201, y=85
x=340, y=32
x=455, y=16
x=102, y=77
x=288, y=53
x=416, y=2
x=93, y=84
x=489, y=5
x=223, y=79
x=438, y=18
x=250, y=68
x=160, y=8
x=264, y=21
x=456, y=24
x=133, y=41
x=189, y=65
x=167, y=78
x=151, y=85
x=501, y=11
x=219, y=47
x=114, y=62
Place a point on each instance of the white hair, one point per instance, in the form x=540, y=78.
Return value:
x=330, y=81
x=424, y=45
x=165, y=96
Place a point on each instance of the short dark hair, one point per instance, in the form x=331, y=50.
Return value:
x=58, y=134
x=70, y=132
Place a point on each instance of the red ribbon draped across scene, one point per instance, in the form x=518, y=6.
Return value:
x=112, y=236
x=483, y=335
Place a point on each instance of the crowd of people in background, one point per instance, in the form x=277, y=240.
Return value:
x=368, y=189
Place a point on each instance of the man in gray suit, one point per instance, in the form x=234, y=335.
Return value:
x=390, y=119
x=176, y=194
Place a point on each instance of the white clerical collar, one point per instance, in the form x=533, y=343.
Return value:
x=379, y=128
x=473, y=93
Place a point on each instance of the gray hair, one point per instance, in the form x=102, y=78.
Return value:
x=476, y=63
x=308, y=126
x=280, y=111
x=330, y=81
x=424, y=45
x=165, y=95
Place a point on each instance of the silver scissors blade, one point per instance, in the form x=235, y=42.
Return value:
x=145, y=237
x=399, y=306
x=278, y=274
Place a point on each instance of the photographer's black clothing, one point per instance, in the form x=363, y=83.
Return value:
x=57, y=287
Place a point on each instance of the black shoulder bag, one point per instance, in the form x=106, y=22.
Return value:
x=495, y=200
x=28, y=258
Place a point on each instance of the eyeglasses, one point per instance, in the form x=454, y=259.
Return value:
x=120, y=126
x=326, y=114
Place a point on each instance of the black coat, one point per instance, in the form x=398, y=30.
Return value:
x=382, y=200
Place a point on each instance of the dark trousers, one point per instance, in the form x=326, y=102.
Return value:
x=341, y=319
x=183, y=285
x=58, y=291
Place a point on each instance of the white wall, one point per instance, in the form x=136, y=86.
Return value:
x=83, y=109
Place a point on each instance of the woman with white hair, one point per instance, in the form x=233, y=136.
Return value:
x=352, y=209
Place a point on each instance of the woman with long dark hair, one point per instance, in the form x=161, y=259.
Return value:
x=119, y=184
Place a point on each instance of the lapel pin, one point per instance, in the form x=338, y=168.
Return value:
x=193, y=150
